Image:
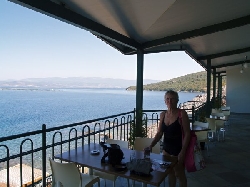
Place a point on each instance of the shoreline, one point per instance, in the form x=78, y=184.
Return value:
x=196, y=101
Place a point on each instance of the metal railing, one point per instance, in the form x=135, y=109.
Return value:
x=33, y=149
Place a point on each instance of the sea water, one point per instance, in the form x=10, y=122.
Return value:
x=26, y=110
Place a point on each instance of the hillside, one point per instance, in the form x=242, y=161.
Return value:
x=195, y=82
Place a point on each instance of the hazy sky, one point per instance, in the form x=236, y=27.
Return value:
x=33, y=45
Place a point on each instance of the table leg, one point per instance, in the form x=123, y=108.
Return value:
x=144, y=184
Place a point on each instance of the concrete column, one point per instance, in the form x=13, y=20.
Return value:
x=208, y=87
x=139, y=86
x=218, y=85
x=214, y=82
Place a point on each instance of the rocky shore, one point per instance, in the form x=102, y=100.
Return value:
x=197, y=101
x=200, y=99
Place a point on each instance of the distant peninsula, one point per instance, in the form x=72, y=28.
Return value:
x=194, y=82
x=51, y=83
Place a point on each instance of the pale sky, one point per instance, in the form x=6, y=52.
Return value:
x=33, y=45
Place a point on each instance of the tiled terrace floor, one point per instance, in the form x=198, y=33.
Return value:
x=228, y=164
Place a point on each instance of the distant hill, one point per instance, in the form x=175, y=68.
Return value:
x=194, y=82
x=71, y=82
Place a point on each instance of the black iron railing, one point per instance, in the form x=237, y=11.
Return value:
x=32, y=149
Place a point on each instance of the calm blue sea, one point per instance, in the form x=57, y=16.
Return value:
x=25, y=110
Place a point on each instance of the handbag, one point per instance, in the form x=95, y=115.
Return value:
x=194, y=161
x=114, y=154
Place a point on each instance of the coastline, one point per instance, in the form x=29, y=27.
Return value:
x=196, y=101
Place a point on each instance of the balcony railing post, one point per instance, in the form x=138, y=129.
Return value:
x=193, y=114
x=44, y=155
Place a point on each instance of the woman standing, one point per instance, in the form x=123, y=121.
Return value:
x=172, y=122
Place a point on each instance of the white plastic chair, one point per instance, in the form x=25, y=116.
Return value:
x=121, y=143
x=202, y=136
x=225, y=108
x=140, y=143
x=107, y=176
x=217, y=114
x=68, y=175
x=201, y=124
x=212, y=127
x=220, y=128
x=216, y=110
x=226, y=116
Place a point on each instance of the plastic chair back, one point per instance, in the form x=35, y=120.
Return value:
x=211, y=123
x=216, y=110
x=218, y=114
x=201, y=136
x=201, y=124
x=65, y=173
x=121, y=143
x=226, y=114
x=225, y=107
x=219, y=124
x=140, y=143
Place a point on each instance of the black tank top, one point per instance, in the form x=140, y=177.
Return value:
x=172, y=143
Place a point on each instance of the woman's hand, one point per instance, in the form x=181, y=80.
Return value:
x=181, y=157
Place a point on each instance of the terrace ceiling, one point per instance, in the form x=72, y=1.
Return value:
x=216, y=30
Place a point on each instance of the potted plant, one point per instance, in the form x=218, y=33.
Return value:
x=138, y=128
x=216, y=103
x=202, y=116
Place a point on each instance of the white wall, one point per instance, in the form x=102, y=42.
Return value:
x=238, y=90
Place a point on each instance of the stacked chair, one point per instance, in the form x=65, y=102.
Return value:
x=222, y=115
x=220, y=128
x=202, y=136
x=217, y=113
x=225, y=108
x=226, y=112
x=212, y=126
x=216, y=110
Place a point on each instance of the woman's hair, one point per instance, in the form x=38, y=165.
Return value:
x=172, y=92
